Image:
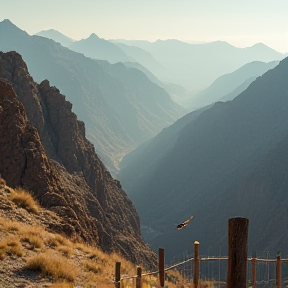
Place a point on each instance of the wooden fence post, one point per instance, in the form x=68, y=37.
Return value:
x=196, y=268
x=278, y=271
x=253, y=268
x=161, y=262
x=237, y=252
x=139, y=279
x=117, y=274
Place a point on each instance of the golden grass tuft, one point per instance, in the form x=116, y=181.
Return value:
x=66, y=251
x=34, y=241
x=54, y=265
x=57, y=240
x=10, y=247
x=62, y=285
x=2, y=183
x=92, y=266
x=24, y=199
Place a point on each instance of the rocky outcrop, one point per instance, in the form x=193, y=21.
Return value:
x=43, y=148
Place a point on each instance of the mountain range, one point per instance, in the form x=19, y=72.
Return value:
x=43, y=149
x=120, y=106
x=227, y=160
x=100, y=49
x=196, y=66
x=238, y=80
x=186, y=66
x=56, y=36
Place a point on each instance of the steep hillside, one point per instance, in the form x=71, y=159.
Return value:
x=178, y=93
x=138, y=164
x=229, y=82
x=60, y=165
x=32, y=255
x=200, y=176
x=115, y=110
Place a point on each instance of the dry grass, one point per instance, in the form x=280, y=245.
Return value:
x=56, y=257
x=10, y=247
x=57, y=240
x=2, y=183
x=24, y=199
x=53, y=265
x=62, y=260
x=67, y=251
x=62, y=285
x=34, y=241
x=92, y=266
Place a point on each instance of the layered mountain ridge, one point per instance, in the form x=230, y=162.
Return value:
x=47, y=153
x=196, y=66
x=226, y=162
x=115, y=110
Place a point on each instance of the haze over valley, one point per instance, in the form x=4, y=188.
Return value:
x=123, y=120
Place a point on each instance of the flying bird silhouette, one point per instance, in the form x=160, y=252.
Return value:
x=184, y=224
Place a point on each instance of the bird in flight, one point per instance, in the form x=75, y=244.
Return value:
x=184, y=224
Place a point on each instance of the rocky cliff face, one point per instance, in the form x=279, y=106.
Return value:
x=43, y=148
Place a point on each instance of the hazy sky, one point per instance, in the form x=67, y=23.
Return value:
x=239, y=22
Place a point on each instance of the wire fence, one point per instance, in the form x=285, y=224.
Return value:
x=237, y=268
x=214, y=269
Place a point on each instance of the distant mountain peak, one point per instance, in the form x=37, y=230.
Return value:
x=93, y=36
x=8, y=23
x=56, y=36
x=261, y=46
x=8, y=26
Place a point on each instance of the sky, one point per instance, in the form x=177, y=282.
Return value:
x=242, y=23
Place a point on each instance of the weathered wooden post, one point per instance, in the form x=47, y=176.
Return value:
x=278, y=271
x=196, y=268
x=253, y=268
x=117, y=274
x=237, y=252
x=161, y=262
x=139, y=279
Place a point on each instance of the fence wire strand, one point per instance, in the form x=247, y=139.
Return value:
x=200, y=259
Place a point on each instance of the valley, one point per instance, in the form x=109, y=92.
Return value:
x=118, y=143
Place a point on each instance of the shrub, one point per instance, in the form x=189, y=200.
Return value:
x=24, y=199
x=51, y=264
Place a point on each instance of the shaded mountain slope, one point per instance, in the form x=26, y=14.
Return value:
x=99, y=96
x=142, y=57
x=238, y=90
x=228, y=82
x=138, y=164
x=177, y=93
x=56, y=36
x=75, y=184
x=212, y=154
